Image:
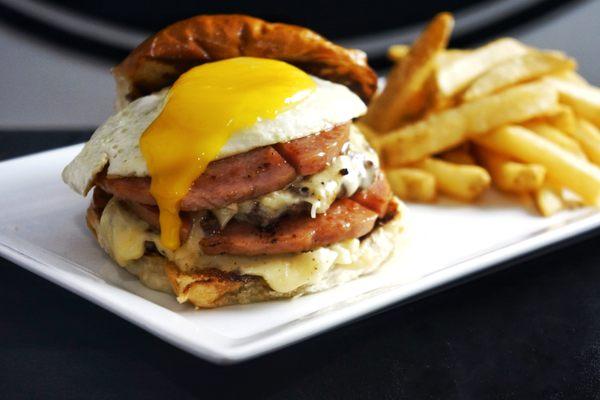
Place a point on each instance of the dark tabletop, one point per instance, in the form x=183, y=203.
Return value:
x=526, y=332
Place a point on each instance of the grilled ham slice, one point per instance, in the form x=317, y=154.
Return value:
x=243, y=176
x=345, y=219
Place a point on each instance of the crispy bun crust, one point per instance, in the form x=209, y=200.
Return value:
x=210, y=288
x=158, y=61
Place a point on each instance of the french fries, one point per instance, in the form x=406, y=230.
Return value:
x=443, y=130
x=464, y=182
x=459, y=155
x=516, y=70
x=402, y=96
x=548, y=201
x=588, y=136
x=455, y=76
x=397, y=52
x=584, y=99
x=564, y=120
x=554, y=135
x=412, y=184
x=450, y=121
x=571, y=76
x=448, y=56
x=511, y=176
x=571, y=171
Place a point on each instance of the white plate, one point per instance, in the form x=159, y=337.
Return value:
x=42, y=228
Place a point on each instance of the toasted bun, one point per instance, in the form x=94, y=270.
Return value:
x=209, y=288
x=158, y=61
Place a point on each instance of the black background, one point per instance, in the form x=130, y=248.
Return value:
x=334, y=19
x=528, y=332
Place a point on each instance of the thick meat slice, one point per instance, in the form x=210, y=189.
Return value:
x=229, y=180
x=345, y=219
x=243, y=176
x=100, y=199
x=377, y=196
x=313, y=153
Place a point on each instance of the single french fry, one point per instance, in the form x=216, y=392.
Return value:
x=516, y=70
x=563, y=167
x=554, y=135
x=397, y=52
x=448, y=56
x=412, y=184
x=403, y=95
x=588, y=135
x=570, y=199
x=449, y=128
x=548, y=201
x=464, y=182
x=437, y=101
x=564, y=119
x=571, y=76
x=511, y=176
x=453, y=77
x=459, y=155
x=584, y=99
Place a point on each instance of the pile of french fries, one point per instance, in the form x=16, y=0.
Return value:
x=505, y=114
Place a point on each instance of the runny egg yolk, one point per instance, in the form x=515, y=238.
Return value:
x=203, y=108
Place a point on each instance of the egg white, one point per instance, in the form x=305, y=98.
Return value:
x=116, y=142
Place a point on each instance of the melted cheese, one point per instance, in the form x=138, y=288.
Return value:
x=123, y=236
x=355, y=169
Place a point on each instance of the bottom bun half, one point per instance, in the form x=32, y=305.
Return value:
x=214, y=287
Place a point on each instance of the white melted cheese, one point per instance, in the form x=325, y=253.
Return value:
x=355, y=169
x=122, y=234
x=116, y=142
x=124, y=237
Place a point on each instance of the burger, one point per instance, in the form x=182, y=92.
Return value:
x=231, y=171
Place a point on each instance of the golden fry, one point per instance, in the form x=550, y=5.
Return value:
x=564, y=119
x=511, y=176
x=397, y=52
x=449, y=128
x=571, y=76
x=403, y=95
x=570, y=199
x=548, y=201
x=464, y=182
x=585, y=100
x=455, y=76
x=459, y=155
x=563, y=167
x=412, y=184
x=554, y=135
x=515, y=70
x=448, y=56
x=588, y=135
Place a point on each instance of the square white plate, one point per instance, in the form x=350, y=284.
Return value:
x=42, y=228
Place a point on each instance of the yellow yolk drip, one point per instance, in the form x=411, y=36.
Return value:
x=204, y=107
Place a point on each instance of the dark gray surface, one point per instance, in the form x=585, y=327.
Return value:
x=528, y=332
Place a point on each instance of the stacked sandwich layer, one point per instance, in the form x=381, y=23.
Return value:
x=289, y=204
x=282, y=216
